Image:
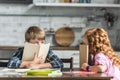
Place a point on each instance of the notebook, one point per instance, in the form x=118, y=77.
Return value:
x=30, y=50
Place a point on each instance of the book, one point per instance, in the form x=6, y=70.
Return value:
x=30, y=50
x=44, y=72
x=83, y=54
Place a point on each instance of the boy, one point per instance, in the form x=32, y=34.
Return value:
x=35, y=35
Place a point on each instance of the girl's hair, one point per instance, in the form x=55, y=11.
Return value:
x=98, y=41
x=34, y=32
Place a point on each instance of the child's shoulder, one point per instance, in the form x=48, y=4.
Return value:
x=100, y=54
x=20, y=49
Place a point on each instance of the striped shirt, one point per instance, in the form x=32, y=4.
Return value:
x=53, y=59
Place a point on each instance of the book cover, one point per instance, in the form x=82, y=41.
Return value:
x=30, y=50
x=83, y=54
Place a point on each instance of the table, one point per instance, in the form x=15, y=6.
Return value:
x=65, y=76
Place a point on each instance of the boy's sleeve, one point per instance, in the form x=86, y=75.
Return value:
x=54, y=60
x=15, y=61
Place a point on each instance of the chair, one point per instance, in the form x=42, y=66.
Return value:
x=5, y=55
x=3, y=64
x=70, y=61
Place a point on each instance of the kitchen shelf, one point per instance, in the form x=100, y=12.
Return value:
x=76, y=5
x=9, y=47
x=53, y=47
x=65, y=48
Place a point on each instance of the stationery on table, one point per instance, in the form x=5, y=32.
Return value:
x=30, y=50
x=80, y=72
x=44, y=72
x=83, y=72
x=13, y=70
x=6, y=72
x=31, y=72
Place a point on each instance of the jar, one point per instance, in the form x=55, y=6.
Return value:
x=75, y=1
x=66, y=1
x=61, y=1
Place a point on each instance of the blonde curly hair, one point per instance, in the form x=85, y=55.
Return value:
x=98, y=41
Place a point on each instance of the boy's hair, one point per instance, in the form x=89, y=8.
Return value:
x=34, y=32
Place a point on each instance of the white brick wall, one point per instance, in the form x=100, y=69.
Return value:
x=16, y=18
x=14, y=25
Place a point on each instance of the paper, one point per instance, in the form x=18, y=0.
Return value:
x=83, y=72
x=21, y=70
x=6, y=72
x=13, y=70
x=31, y=49
x=80, y=72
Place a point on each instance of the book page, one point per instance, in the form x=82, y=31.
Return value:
x=43, y=51
x=29, y=51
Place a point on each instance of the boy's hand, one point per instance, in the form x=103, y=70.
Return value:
x=40, y=66
x=34, y=66
x=37, y=60
x=25, y=64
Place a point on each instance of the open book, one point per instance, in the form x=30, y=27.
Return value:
x=30, y=50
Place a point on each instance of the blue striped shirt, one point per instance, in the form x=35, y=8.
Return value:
x=53, y=59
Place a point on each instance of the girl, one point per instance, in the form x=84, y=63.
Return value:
x=105, y=58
